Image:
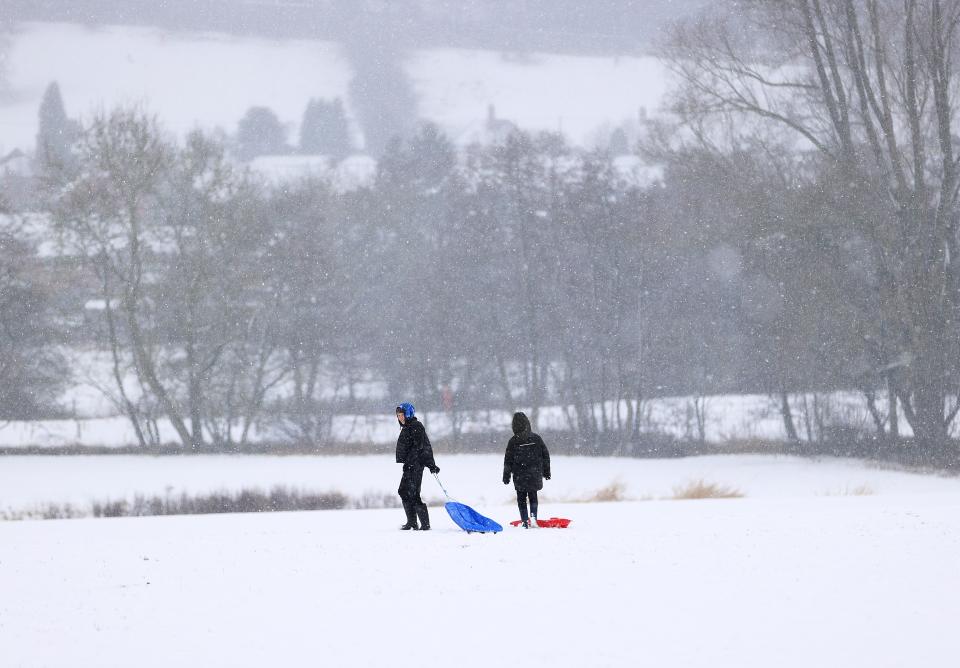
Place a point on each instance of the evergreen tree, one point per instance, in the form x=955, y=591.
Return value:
x=382, y=96
x=417, y=193
x=56, y=132
x=619, y=145
x=324, y=129
x=260, y=133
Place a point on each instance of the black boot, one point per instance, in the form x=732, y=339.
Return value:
x=424, y=515
x=411, y=517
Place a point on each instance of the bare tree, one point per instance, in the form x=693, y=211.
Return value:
x=869, y=86
x=212, y=295
x=110, y=212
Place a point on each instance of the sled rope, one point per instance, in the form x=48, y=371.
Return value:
x=437, y=478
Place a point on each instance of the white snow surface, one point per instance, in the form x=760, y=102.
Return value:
x=188, y=79
x=28, y=481
x=727, y=418
x=754, y=582
x=209, y=80
x=92, y=397
x=575, y=95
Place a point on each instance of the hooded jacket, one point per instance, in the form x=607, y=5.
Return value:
x=526, y=458
x=413, y=446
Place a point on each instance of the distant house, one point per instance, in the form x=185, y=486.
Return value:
x=492, y=130
x=15, y=163
x=278, y=169
x=498, y=129
x=16, y=178
x=636, y=172
x=355, y=171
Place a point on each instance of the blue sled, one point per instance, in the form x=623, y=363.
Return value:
x=469, y=519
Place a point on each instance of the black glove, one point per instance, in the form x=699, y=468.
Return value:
x=506, y=480
x=434, y=469
x=546, y=477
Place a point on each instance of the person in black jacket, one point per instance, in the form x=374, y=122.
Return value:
x=414, y=452
x=528, y=461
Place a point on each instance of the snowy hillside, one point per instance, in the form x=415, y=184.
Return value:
x=832, y=581
x=210, y=80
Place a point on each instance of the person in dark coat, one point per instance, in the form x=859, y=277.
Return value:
x=414, y=452
x=528, y=461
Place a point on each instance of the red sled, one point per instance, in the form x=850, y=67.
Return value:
x=552, y=523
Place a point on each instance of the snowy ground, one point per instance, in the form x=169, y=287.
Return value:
x=828, y=581
x=91, y=397
x=726, y=418
x=210, y=80
x=26, y=482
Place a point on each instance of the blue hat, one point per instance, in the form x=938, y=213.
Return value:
x=407, y=409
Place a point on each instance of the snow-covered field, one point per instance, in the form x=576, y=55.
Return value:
x=29, y=481
x=727, y=418
x=209, y=80
x=92, y=398
x=799, y=581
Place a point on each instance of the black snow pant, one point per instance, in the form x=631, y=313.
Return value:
x=522, y=495
x=409, y=491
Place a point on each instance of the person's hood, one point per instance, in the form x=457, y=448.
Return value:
x=520, y=424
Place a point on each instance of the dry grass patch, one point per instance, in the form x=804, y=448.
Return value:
x=278, y=499
x=701, y=489
x=750, y=446
x=612, y=492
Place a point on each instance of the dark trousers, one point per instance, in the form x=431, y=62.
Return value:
x=522, y=496
x=410, y=483
x=409, y=491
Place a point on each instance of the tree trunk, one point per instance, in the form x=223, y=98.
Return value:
x=128, y=406
x=787, y=414
x=148, y=373
x=194, y=393
x=893, y=409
